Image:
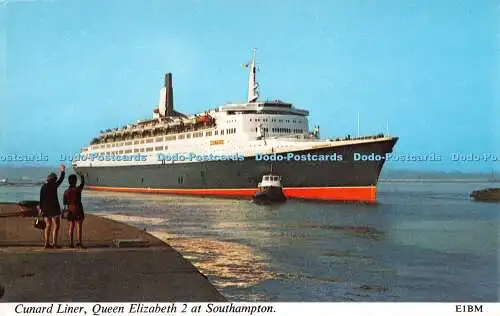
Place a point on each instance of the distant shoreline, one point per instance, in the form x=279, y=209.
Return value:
x=17, y=173
x=440, y=180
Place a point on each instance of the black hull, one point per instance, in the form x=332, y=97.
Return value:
x=242, y=177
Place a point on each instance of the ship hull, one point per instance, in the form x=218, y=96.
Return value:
x=345, y=179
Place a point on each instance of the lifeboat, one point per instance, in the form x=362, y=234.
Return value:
x=203, y=118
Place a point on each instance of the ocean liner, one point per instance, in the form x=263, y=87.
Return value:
x=225, y=151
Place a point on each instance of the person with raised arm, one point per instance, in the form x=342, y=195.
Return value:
x=50, y=209
x=73, y=203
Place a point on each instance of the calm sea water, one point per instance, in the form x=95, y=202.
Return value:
x=421, y=242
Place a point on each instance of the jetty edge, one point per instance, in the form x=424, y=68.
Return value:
x=486, y=195
x=149, y=270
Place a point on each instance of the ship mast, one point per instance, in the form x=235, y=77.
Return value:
x=253, y=86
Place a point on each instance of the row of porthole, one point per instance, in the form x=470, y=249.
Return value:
x=180, y=180
x=276, y=120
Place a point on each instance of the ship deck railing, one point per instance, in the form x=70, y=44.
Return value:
x=153, y=131
x=311, y=136
x=348, y=137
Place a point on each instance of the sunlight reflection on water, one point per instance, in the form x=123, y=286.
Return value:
x=235, y=265
x=231, y=264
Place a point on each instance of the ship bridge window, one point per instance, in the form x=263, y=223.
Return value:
x=209, y=133
x=149, y=141
x=188, y=135
x=181, y=136
x=158, y=148
x=136, y=150
x=149, y=149
x=216, y=132
x=159, y=139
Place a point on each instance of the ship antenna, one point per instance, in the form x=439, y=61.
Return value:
x=358, y=123
x=253, y=86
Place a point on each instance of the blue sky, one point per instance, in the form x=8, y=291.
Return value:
x=72, y=68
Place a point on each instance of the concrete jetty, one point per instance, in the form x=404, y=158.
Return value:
x=121, y=263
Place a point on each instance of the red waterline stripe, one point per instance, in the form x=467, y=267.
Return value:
x=361, y=194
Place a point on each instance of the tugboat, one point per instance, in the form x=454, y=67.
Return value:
x=270, y=190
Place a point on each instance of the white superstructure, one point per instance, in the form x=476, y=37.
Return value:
x=262, y=127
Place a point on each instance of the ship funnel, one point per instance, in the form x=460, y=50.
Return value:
x=169, y=98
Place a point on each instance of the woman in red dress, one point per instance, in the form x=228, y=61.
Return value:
x=73, y=203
